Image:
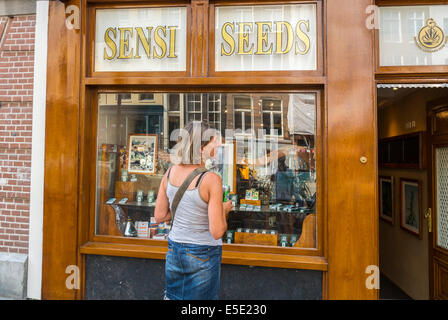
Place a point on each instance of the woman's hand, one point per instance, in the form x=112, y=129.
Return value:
x=227, y=207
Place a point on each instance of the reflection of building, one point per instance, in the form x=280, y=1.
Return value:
x=399, y=27
x=159, y=113
x=123, y=114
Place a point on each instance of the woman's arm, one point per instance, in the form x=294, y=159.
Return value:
x=217, y=210
x=162, y=210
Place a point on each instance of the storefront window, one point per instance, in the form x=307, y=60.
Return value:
x=266, y=158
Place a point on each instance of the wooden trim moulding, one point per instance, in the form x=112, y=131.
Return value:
x=391, y=3
x=203, y=81
x=228, y=257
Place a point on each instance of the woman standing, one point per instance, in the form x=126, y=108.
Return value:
x=193, y=260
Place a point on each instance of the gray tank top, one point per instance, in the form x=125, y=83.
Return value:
x=191, y=224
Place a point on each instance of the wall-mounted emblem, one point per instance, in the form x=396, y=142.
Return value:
x=431, y=37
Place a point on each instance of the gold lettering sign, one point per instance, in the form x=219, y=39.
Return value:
x=158, y=42
x=285, y=38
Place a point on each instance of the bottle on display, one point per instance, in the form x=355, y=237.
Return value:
x=139, y=196
x=129, y=230
x=226, y=193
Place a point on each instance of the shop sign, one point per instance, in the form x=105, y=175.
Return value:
x=144, y=39
x=431, y=37
x=413, y=35
x=266, y=38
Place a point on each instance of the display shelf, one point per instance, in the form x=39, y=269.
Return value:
x=134, y=204
x=266, y=209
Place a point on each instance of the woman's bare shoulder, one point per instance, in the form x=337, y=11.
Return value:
x=212, y=177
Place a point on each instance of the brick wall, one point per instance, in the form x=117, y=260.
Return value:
x=16, y=94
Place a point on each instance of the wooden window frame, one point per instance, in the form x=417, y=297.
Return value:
x=89, y=156
x=194, y=81
x=385, y=72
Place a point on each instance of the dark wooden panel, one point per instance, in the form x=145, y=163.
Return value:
x=405, y=151
x=441, y=280
x=61, y=154
x=351, y=186
x=120, y=278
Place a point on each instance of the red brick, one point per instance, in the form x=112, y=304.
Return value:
x=16, y=94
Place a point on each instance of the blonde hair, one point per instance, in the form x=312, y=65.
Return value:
x=190, y=141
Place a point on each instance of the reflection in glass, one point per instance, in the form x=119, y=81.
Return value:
x=399, y=41
x=269, y=164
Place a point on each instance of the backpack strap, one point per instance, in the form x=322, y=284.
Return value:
x=182, y=189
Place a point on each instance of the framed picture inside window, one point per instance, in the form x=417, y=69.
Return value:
x=142, y=154
x=410, y=206
x=386, y=197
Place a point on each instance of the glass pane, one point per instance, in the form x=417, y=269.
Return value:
x=247, y=121
x=413, y=35
x=277, y=125
x=124, y=96
x=442, y=196
x=271, y=179
x=267, y=122
x=141, y=39
x=239, y=120
x=272, y=105
x=173, y=124
x=242, y=103
x=174, y=102
x=266, y=37
x=146, y=96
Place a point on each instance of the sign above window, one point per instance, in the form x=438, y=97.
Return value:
x=266, y=38
x=144, y=39
x=413, y=36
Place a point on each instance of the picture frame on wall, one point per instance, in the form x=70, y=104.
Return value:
x=386, y=198
x=411, y=206
x=142, y=154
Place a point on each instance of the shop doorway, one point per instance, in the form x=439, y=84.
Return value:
x=413, y=221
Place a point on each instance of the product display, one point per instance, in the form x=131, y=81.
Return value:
x=150, y=197
x=139, y=196
x=230, y=234
x=226, y=193
x=234, y=198
x=292, y=240
x=130, y=230
x=124, y=175
x=142, y=229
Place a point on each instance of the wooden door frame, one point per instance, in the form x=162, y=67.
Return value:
x=431, y=146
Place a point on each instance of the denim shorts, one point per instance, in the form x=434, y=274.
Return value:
x=192, y=272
